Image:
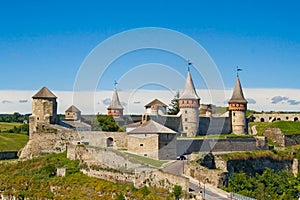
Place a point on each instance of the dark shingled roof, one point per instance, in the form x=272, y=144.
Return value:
x=189, y=91
x=151, y=127
x=237, y=96
x=156, y=102
x=115, y=102
x=44, y=93
x=73, y=109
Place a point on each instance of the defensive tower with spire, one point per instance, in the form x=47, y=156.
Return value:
x=238, y=108
x=115, y=108
x=188, y=104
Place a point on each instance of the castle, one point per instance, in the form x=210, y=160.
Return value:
x=157, y=135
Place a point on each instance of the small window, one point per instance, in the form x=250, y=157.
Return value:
x=186, y=128
x=145, y=154
x=233, y=113
x=185, y=119
x=185, y=112
x=38, y=118
x=141, y=145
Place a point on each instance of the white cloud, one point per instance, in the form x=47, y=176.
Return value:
x=92, y=102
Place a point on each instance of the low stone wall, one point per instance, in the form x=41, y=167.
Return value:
x=276, y=135
x=8, y=155
x=189, y=145
x=280, y=138
x=111, y=176
x=291, y=140
x=160, y=179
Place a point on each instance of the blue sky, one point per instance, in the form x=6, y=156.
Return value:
x=44, y=43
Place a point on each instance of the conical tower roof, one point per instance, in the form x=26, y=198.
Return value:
x=44, y=93
x=115, y=102
x=238, y=96
x=189, y=91
x=72, y=109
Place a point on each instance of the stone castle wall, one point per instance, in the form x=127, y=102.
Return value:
x=266, y=117
x=115, y=166
x=48, y=140
x=99, y=138
x=214, y=125
x=8, y=155
x=189, y=145
x=280, y=138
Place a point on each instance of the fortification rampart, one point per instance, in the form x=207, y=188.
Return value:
x=270, y=117
x=190, y=145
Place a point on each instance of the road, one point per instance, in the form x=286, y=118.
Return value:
x=211, y=193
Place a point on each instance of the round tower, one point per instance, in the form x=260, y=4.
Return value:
x=237, y=109
x=189, y=108
x=115, y=108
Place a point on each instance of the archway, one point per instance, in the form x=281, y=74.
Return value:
x=110, y=142
x=262, y=119
x=296, y=119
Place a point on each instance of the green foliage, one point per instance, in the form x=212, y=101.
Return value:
x=268, y=185
x=14, y=127
x=34, y=178
x=107, y=123
x=15, y=117
x=177, y=191
x=221, y=110
x=248, y=155
x=173, y=108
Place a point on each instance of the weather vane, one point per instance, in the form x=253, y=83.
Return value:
x=115, y=84
x=189, y=63
x=238, y=70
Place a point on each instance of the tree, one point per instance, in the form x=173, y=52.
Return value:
x=173, y=107
x=177, y=191
x=107, y=123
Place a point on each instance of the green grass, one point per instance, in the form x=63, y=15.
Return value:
x=5, y=126
x=287, y=127
x=34, y=178
x=148, y=161
x=12, y=141
x=275, y=155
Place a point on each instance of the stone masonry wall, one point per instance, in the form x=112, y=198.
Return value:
x=139, y=174
x=48, y=140
x=189, y=145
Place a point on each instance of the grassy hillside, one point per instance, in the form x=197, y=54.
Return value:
x=12, y=141
x=6, y=126
x=36, y=179
x=286, y=127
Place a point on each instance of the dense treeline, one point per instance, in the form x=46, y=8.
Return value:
x=268, y=185
x=15, y=117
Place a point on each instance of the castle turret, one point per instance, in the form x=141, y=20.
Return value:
x=237, y=109
x=189, y=107
x=73, y=113
x=44, y=109
x=115, y=108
